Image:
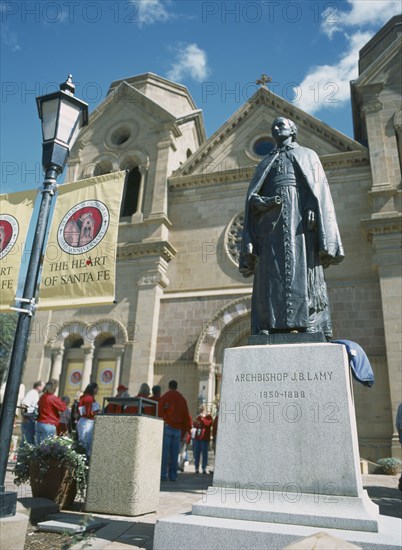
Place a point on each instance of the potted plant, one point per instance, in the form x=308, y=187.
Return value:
x=389, y=466
x=56, y=469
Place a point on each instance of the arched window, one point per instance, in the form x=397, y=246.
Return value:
x=108, y=342
x=103, y=167
x=129, y=204
x=77, y=343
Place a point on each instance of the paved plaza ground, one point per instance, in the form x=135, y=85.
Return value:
x=125, y=533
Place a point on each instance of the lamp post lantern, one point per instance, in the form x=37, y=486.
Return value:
x=62, y=116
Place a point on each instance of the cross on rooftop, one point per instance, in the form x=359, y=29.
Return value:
x=263, y=80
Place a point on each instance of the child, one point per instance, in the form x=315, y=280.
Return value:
x=64, y=426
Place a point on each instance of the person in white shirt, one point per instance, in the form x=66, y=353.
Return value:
x=29, y=410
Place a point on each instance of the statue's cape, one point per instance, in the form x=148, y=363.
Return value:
x=309, y=164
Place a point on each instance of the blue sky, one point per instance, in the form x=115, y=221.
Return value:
x=216, y=49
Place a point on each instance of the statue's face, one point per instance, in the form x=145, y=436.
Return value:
x=281, y=129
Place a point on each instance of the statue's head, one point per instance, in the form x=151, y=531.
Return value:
x=283, y=128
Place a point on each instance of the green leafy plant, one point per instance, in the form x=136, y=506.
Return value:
x=85, y=537
x=389, y=466
x=67, y=452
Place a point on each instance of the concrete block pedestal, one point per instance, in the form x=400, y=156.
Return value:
x=125, y=465
x=13, y=531
x=287, y=461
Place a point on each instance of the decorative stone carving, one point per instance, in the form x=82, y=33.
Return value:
x=108, y=326
x=382, y=226
x=398, y=120
x=372, y=107
x=233, y=237
x=130, y=251
x=154, y=279
x=206, y=367
x=212, y=330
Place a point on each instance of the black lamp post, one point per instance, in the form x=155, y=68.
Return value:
x=62, y=116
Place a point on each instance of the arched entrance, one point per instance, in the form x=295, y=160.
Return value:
x=88, y=353
x=230, y=327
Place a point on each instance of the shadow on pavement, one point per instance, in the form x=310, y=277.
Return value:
x=388, y=499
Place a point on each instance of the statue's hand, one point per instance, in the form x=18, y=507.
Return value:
x=250, y=261
x=310, y=220
x=246, y=272
x=257, y=204
x=263, y=204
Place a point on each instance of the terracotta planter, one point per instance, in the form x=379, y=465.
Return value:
x=389, y=471
x=57, y=484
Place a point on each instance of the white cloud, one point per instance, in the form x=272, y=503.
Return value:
x=328, y=86
x=362, y=13
x=9, y=38
x=152, y=11
x=191, y=62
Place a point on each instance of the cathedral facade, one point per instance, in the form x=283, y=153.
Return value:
x=180, y=299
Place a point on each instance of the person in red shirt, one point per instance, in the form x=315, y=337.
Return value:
x=156, y=395
x=215, y=430
x=49, y=408
x=114, y=408
x=64, y=425
x=144, y=391
x=173, y=409
x=202, y=424
x=88, y=409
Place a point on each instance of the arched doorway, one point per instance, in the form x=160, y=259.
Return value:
x=89, y=353
x=229, y=327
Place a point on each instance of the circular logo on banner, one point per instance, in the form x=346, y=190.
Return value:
x=75, y=378
x=83, y=227
x=106, y=376
x=8, y=233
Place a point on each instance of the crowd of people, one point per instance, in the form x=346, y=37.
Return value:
x=179, y=430
x=44, y=414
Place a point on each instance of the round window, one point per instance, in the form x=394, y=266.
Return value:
x=263, y=146
x=120, y=136
x=233, y=237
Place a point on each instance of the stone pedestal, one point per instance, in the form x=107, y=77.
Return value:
x=287, y=462
x=13, y=531
x=125, y=466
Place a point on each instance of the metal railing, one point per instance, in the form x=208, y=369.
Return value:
x=136, y=406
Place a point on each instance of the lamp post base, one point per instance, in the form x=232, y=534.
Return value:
x=8, y=503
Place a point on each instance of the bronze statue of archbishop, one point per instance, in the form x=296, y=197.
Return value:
x=290, y=234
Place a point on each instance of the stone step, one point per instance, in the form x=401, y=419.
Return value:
x=70, y=523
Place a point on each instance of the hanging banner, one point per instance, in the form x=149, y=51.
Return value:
x=15, y=215
x=73, y=379
x=105, y=379
x=80, y=261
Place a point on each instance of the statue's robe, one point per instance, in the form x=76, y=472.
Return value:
x=287, y=258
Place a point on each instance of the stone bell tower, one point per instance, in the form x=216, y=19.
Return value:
x=376, y=101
